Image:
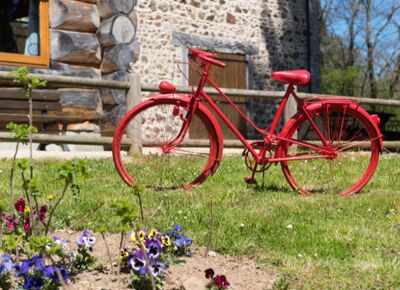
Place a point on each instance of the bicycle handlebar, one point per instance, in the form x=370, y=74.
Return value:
x=207, y=57
x=212, y=61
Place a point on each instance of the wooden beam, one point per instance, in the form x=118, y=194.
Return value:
x=37, y=95
x=117, y=58
x=74, y=16
x=62, y=139
x=115, y=30
x=75, y=47
x=74, y=81
x=108, y=8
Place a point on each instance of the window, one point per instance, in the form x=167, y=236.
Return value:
x=24, y=32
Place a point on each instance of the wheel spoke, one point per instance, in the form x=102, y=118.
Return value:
x=348, y=164
x=160, y=165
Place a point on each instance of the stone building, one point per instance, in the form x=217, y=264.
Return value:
x=264, y=35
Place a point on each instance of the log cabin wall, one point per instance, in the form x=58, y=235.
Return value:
x=95, y=39
x=272, y=34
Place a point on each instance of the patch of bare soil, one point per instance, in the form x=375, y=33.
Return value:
x=241, y=272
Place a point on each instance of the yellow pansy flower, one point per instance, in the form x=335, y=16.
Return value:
x=153, y=234
x=166, y=241
x=132, y=237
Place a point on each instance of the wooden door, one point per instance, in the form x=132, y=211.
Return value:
x=234, y=75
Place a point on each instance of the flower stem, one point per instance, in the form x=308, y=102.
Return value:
x=28, y=195
x=55, y=206
x=108, y=251
x=146, y=258
x=11, y=193
x=63, y=285
x=210, y=228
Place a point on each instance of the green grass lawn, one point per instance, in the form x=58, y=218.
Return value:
x=317, y=242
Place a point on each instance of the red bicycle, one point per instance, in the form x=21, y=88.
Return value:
x=331, y=145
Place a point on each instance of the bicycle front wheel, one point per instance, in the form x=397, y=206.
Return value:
x=352, y=141
x=158, y=165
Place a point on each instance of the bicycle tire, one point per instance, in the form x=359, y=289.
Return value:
x=161, y=120
x=355, y=143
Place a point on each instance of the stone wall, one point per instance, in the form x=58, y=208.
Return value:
x=273, y=34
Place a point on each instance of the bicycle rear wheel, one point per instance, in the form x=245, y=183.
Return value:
x=158, y=165
x=354, y=147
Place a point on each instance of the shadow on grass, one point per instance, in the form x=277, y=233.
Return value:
x=271, y=188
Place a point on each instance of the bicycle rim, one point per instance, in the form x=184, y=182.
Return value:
x=354, y=143
x=158, y=165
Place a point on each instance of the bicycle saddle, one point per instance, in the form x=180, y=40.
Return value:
x=294, y=77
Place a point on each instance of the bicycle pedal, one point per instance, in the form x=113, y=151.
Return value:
x=250, y=180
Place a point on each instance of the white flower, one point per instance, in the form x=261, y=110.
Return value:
x=241, y=225
x=299, y=255
x=289, y=226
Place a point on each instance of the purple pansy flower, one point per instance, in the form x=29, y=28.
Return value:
x=157, y=268
x=86, y=240
x=153, y=249
x=61, y=242
x=138, y=263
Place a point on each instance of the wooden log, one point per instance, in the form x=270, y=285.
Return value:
x=115, y=30
x=80, y=98
x=136, y=50
x=23, y=104
x=112, y=97
x=74, y=15
x=75, y=47
x=133, y=17
x=117, y=58
x=37, y=95
x=108, y=8
x=89, y=1
x=81, y=113
x=63, y=139
x=75, y=71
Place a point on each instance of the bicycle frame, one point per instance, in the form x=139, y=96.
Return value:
x=269, y=135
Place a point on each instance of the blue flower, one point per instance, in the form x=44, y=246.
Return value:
x=157, y=268
x=153, y=249
x=33, y=283
x=23, y=268
x=39, y=265
x=6, y=264
x=177, y=228
x=138, y=263
x=182, y=241
x=50, y=272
